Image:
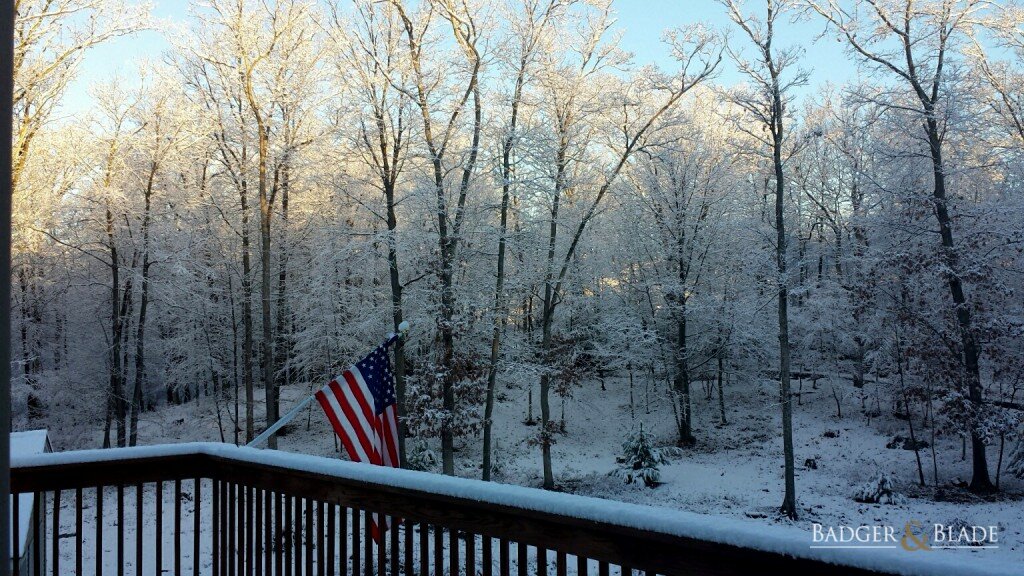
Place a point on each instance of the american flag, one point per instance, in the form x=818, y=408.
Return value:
x=361, y=407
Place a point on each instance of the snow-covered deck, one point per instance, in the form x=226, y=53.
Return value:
x=244, y=510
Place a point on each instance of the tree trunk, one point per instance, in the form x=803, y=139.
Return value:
x=267, y=356
x=396, y=316
x=499, y=287
x=789, y=500
x=116, y=369
x=549, y=309
x=140, y=335
x=980, y=481
x=247, y=329
x=681, y=383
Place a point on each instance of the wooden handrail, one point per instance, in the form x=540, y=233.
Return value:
x=570, y=527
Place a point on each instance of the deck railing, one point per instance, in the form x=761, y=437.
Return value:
x=217, y=509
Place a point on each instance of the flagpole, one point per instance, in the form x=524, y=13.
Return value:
x=393, y=337
x=280, y=423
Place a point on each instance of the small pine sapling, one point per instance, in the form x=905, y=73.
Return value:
x=881, y=490
x=640, y=460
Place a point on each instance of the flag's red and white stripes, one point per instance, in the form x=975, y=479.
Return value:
x=367, y=437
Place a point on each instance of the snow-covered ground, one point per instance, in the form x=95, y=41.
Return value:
x=734, y=471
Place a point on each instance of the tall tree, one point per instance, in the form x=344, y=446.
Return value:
x=914, y=42
x=766, y=102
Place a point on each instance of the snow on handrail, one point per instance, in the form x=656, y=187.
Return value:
x=788, y=540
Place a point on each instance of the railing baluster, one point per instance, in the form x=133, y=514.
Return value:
x=332, y=510
x=453, y=551
x=470, y=554
x=197, y=501
x=279, y=534
x=56, y=532
x=602, y=569
x=256, y=495
x=177, y=528
x=321, y=541
x=581, y=565
x=438, y=550
x=225, y=536
x=159, y=536
x=408, y=527
x=120, y=530
x=424, y=548
x=343, y=541
x=487, y=548
x=382, y=543
x=16, y=536
x=297, y=509
x=138, y=529
x=356, y=549
x=395, y=557
x=288, y=536
x=503, y=558
x=242, y=529
x=37, y=537
x=232, y=530
x=268, y=531
x=523, y=559
x=99, y=530
x=561, y=563
x=542, y=561
x=625, y=571
x=215, y=527
x=368, y=543
x=308, y=537
x=79, y=537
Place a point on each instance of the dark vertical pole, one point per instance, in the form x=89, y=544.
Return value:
x=343, y=541
x=382, y=543
x=6, y=117
x=214, y=528
x=394, y=545
x=197, y=508
x=332, y=511
x=16, y=523
x=158, y=536
x=522, y=564
x=79, y=538
x=138, y=529
x=581, y=566
x=487, y=549
x=453, y=552
x=256, y=495
x=408, y=527
x=424, y=549
x=355, y=542
x=177, y=528
x=368, y=542
x=56, y=532
x=503, y=558
x=439, y=549
x=38, y=544
x=120, y=530
x=308, y=534
x=321, y=543
x=268, y=532
x=287, y=536
x=99, y=530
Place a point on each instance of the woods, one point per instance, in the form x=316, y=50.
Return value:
x=294, y=179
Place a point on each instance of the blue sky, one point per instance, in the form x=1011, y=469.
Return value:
x=641, y=21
